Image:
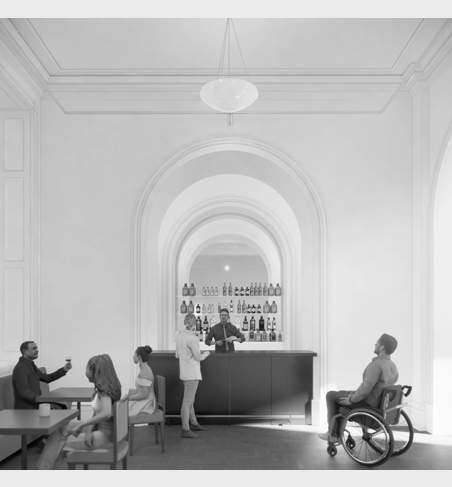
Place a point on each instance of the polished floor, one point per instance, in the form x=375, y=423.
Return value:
x=258, y=447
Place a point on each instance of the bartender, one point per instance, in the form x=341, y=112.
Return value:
x=224, y=334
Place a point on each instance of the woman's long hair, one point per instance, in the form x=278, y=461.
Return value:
x=104, y=376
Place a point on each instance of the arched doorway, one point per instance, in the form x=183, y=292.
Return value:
x=247, y=185
x=442, y=286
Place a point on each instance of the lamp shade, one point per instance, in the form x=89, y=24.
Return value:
x=229, y=95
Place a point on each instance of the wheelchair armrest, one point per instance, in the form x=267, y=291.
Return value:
x=408, y=390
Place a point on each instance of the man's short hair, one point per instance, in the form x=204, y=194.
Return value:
x=24, y=346
x=389, y=342
x=224, y=310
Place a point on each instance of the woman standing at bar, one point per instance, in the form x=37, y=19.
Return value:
x=190, y=357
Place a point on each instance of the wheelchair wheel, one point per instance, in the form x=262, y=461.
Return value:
x=332, y=450
x=366, y=438
x=403, y=433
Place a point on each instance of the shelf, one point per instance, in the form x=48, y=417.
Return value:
x=200, y=296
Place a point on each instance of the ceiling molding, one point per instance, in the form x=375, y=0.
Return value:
x=166, y=91
x=288, y=98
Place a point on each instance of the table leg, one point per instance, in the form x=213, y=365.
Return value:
x=79, y=409
x=24, y=453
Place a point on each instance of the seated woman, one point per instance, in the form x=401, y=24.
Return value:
x=142, y=399
x=92, y=433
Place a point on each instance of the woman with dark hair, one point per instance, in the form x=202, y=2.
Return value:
x=95, y=432
x=142, y=399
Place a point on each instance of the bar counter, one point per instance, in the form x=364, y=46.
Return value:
x=244, y=385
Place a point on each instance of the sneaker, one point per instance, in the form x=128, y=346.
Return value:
x=188, y=434
x=330, y=438
x=197, y=427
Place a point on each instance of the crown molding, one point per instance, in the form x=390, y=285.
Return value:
x=21, y=74
x=180, y=98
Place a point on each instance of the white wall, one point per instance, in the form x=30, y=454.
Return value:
x=95, y=167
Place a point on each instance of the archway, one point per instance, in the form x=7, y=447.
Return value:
x=283, y=204
x=442, y=311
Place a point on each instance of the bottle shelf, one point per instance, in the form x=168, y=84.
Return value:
x=200, y=296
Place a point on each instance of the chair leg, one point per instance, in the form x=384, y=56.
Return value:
x=162, y=435
x=85, y=466
x=131, y=438
x=156, y=429
x=124, y=463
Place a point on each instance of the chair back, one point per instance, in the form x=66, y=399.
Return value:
x=391, y=403
x=44, y=386
x=160, y=392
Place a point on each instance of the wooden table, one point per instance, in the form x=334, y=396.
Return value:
x=69, y=394
x=25, y=422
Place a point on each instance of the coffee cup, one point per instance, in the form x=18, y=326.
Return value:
x=44, y=409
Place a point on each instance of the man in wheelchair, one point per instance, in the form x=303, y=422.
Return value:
x=380, y=372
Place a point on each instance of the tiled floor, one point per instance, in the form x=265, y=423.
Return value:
x=260, y=446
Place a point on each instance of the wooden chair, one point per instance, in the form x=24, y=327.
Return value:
x=107, y=456
x=157, y=418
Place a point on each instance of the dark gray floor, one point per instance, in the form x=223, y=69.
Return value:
x=258, y=447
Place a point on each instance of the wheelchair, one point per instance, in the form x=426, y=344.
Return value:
x=371, y=436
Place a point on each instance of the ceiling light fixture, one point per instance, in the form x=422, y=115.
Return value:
x=228, y=94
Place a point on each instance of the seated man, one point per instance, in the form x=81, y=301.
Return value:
x=26, y=377
x=380, y=372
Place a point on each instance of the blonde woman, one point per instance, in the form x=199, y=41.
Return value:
x=95, y=432
x=190, y=357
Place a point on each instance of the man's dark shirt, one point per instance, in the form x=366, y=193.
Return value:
x=26, y=378
x=219, y=331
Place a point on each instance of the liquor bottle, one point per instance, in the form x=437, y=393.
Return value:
x=269, y=325
x=205, y=323
x=207, y=291
x=259, y=290
x=259, y=308
x=204, y=309
x=245, y=324
x=191, y=308
x=274, y=307
x=236, y=291
x=239, y=307
x=230, y=289
x=279, y=337
x=216, y=290
x=261, y=323
x=198, y=323
x=183, y=307
x=192, y=290
x=273, y=336
x=251, y=290
x=224, y=289
x=231, y=307
x=264, y=336
x=270, y=336
x=258, y=336
x=198, y=309
x=253, y=309
x=243, y=306
x=256, y=289
x=185, y=290
x=242, y=291
x=201, y=335
x=274, y=323
x=266, y=307
x=219, y=307
x=247, y=291
x=248, y=309
x=251, y=337
x=212, y=291
x=203, y=291
x=252, y=323
x=278, y=290
x=265, y=290
x=271, y=290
